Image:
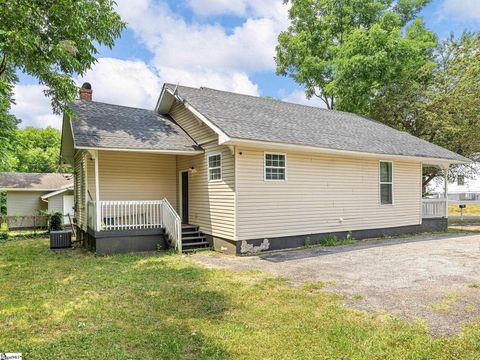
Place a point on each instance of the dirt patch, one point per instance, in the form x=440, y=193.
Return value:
x=428, y=278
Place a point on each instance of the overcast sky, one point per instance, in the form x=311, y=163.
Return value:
x=223, y=44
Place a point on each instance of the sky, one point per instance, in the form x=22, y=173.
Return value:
x=222, y=44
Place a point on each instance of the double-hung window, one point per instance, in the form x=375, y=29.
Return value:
x=386, y=182
x=275, y=167
x=215, y=167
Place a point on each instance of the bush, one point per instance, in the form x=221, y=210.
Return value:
x=56, y=222
x=3, y=235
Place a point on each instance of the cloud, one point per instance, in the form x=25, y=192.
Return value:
x=205, y=48
x=124, y=82
x=192, y=53
x=461, y=9
x=33, y=108
x=298, y=97
x=243, y=8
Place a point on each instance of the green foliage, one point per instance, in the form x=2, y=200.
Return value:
x=441, y=106
x=345, y=52
x=52, y=41
x=36, y=150
x=331, y=240
x=56, y=221
x=3, y=235
x=3, y=203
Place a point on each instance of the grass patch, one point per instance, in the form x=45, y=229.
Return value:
x=446, y=303
x=470, y=210
x=474, y=286
x=357, y=297
x=74, y=305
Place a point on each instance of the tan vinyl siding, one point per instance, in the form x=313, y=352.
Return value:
x=322, y=193
x=137, y=176
x=55, y=203
x=197, y=130
x=25, y=203
x=211, y=204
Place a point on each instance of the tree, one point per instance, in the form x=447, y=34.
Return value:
x=36, y=150
x=343, y=51
x=8, y=122
x=441, y=106
x=53, y=40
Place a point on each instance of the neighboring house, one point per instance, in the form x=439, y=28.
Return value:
x=31, y=195
x=242, y=173
x=463, y=188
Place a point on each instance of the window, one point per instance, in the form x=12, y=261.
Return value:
x=460, y=180
x=215, y=167
x=386, y=182
x=275, y=166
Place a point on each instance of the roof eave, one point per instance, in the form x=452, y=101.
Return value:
x=316, y=149
x=153, y=151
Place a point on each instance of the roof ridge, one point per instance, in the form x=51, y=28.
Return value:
x=105, y=103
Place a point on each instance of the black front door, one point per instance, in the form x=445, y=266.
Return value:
x=185, y=197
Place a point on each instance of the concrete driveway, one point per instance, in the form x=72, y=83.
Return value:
x=434, y=278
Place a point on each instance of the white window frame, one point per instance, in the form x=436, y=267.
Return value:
x=380, y=183
x=215, y=167
x=265, y=153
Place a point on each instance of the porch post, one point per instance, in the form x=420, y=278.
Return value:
x=97, y=193
x=445, y=194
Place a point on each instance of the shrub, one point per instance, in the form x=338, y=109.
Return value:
x=56, y=222
x=3, y=235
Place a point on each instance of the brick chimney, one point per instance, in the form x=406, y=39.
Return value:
x=86, y=92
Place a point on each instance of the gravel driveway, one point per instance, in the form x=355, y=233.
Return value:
x=431, y=277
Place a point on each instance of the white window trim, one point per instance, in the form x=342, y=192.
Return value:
x=380, y=183
x=265, y=166
x=216, y=167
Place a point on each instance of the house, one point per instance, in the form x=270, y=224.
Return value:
x=30, y=196
x=241, y=173
x=464, y=189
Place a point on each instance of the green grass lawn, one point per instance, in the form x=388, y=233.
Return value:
x=74, y=305
x=470, y=210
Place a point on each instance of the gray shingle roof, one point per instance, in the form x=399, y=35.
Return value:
x=101, y=125
x=265, y=119
x=35, y=181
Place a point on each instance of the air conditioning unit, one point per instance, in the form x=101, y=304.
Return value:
x=60, y=239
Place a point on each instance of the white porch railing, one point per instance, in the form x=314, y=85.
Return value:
x=434, y=208
x=173, y=225
x=131, y=215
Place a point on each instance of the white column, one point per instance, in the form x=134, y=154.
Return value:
x=445, y=194
x=97, y=194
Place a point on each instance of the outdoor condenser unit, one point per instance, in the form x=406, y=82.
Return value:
x=60, y=239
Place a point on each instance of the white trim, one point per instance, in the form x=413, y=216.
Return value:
x=216, y=167
x=265, y=166
x=310, y=148
x=421, y=193
x=199, y=115
x=29, y=190
x=46, y=196
x=180, y=195
x=235, y=193
x=173, y=152
x=380, y=183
